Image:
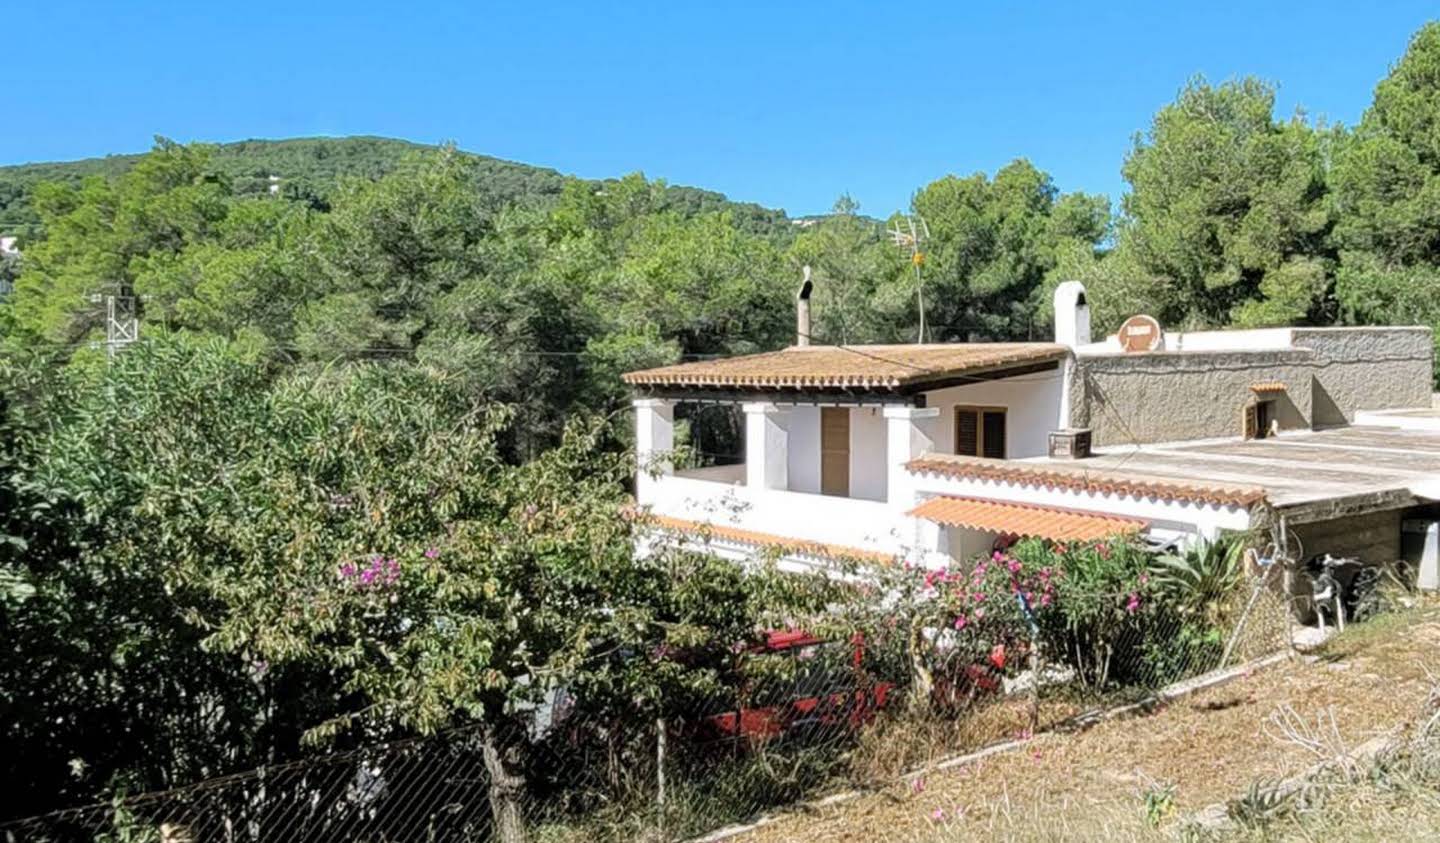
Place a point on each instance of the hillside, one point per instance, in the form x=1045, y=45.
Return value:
x=310, y=167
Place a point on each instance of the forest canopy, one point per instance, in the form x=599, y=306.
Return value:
x=540, y=288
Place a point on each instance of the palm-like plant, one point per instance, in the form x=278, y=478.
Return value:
x=1201, y=579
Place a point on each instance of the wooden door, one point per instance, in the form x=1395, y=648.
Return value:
x=835, y=451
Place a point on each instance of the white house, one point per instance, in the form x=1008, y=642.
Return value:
x=931, y=452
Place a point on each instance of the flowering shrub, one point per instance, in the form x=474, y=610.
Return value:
x=1093, y=607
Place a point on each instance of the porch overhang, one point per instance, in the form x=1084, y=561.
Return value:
x=1025, y=520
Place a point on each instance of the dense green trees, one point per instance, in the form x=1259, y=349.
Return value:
x=208, y=561
x=1386, y=193
x=1228, y=205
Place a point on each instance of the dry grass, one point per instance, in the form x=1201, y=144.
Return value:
x=1204, y=749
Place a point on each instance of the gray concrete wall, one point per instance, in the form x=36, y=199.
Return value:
x=1367, y=369
x=1373, y=538
x=1168, y=396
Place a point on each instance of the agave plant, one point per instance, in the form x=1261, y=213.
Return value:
x=1201, y=580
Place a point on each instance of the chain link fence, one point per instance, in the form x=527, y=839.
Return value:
x=804, y=717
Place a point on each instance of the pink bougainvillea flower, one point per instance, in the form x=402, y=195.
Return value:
x=918, y=786
x=979, y=613
x=432, y=552
x=1133, y=603
x=960, y=622
x=938, y=814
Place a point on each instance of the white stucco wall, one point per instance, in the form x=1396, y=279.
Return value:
x=804, y=445
x=862, y=524
x=1032, y=404
x=868, y=467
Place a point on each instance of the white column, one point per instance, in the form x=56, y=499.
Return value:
x=1068, y=370
x=909, y=432
x=766, y=446
x=654, y=442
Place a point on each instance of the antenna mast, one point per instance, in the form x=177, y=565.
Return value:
x=122, y=317
x=909, y=238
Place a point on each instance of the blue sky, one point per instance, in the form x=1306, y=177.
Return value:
x=786, y=104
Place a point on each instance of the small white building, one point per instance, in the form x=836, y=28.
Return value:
x=933, y=452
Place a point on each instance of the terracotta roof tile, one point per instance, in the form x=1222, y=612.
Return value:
x=780, y=544
x=1267, y=386
x=858, y=366
x=1022, y=519
x=1084, y=479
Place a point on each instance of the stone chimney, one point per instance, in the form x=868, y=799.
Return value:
x=802, y=310
x=1072, y=315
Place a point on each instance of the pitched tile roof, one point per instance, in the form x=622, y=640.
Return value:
x=851, y=366
x=1025, y=520
x=780, y=544
x=1082, y=478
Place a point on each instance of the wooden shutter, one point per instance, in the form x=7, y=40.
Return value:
x=992, y=434
x=980, y=432
x=1249, y=421
x=835, y=451
x=967, y=432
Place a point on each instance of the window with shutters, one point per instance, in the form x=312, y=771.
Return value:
x=980, y=432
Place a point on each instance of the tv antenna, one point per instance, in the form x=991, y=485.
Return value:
x=909, y=232
x=122, y=317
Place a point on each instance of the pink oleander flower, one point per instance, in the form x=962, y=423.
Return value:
x=918, y=786
x=432, y=552
x=979, y=613
x=938, y=814
x=961, y=621
x=1133, y=604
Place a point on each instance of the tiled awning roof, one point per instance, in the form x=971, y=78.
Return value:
x=1081, y=478
x=850, y=367
x=1267, y=386
x=1025, y=520
x=783, y=545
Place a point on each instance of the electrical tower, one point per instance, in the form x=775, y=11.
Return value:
x=122, y=318
x=909, y=238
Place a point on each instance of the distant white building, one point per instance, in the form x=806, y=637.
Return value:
x=8, y=246
x=932, y=452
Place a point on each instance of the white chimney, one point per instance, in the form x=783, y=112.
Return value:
x=1072, y=315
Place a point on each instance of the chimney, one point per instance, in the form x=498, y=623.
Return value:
x=802, y=310
x=1072, y=315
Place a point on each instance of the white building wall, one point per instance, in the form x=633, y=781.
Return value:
x=1032, y=404
x=866, y=525
x=804, y=456
x=868, y=468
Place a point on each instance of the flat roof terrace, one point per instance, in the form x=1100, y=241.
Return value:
x=1393, y=465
